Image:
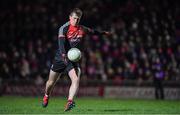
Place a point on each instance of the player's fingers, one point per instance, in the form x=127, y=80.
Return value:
x=108, y=33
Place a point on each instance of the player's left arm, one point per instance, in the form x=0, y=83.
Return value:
x=96, y=32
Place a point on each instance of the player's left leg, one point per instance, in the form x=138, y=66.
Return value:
x=74, y=75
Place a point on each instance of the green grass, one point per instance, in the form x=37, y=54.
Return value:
x=32, y=105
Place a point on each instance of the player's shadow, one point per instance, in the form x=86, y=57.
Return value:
x=89, y=109
x=113, y=110
x=116, y=110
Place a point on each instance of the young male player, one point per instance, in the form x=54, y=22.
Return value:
x=70, y=35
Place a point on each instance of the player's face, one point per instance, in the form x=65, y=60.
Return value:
x=74, y=19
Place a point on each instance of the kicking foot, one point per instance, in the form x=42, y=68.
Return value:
x=70, y=104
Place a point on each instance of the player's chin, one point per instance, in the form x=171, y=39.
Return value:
x=76, y=24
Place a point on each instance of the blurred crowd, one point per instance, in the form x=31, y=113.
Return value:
x=145, y=37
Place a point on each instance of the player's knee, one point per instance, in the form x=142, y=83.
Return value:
x=75, y=80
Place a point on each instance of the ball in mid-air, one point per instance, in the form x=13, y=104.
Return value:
x=74, y=54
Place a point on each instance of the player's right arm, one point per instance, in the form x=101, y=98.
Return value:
x=61, y=42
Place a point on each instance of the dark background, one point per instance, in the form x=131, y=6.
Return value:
x=145, y=40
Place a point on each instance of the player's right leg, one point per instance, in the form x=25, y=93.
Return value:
x=53, y=78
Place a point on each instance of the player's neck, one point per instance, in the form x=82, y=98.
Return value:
x=74, y=25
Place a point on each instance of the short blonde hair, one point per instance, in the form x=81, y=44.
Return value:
x=77, y=11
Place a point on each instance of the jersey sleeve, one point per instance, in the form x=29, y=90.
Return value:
x=61, y=40
x=93, y=31
x=61, y=32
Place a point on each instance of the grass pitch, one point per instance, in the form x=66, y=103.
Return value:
x=32, y=105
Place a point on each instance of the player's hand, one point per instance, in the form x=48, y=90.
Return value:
x=64, y=58
x=107, y=33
